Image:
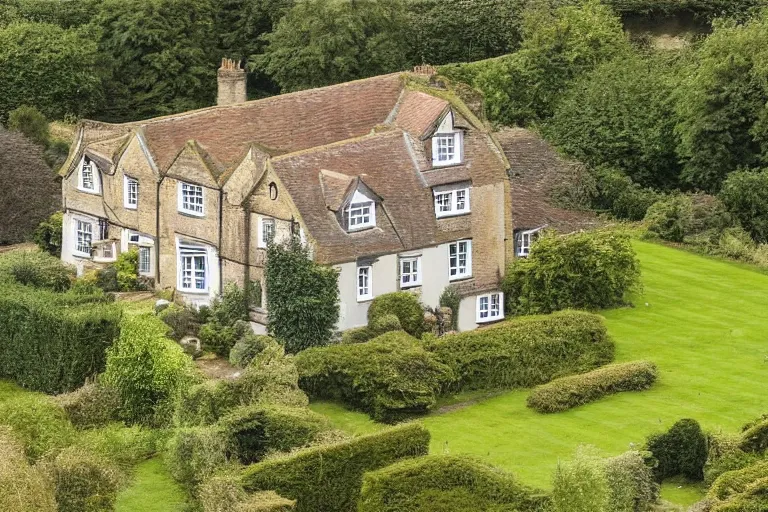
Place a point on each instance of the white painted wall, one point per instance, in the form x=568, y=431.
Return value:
x=69, y=239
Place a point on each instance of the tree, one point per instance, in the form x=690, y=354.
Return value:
x=302, y=297
x=34, y=194
x=161, y=56
x=622, y=115
x=321, y=43
x=745, y=195
x=49, y=68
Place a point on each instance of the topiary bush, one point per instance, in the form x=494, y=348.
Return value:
x=404, y=305
x=23, y=488
x=390, y=377
x=38, y=422
x=383, y=324
x=123, y=446
x=445, y=483
x=36, y=269
x=588, y=270
x=755, y=437
x=247, y=347
x=54, y=342
x=196, y=453
x=205, y=403
x=524, y=352
x=148, y=370
x=568, y=392
x=671, y=218
x=329, y=477
x=631, y=485
x=93, y=405
x=732, y=483
x=682, y=450
x=84, y=482
x=225, y=493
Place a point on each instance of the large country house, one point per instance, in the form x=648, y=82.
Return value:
x=392, y=180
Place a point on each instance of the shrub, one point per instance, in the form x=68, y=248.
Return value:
x=404, y=305
x=753, y=499
x=735, y=243
x=204, y=403
x=525, y=352
x=568, y=392
x=84, y=482
x=36, y=269
x=254, y=430
x=581, y=485
x=382, y=324
x=389, y=377
x=231, y=306
x=53, y=342
x=127, y=268
x=450, y=298
x=220, y=338
x=329, y=477
x=47, y=235
x=224, y=493
x=148, y=370
x=630, y=483
x=755, y=437
x=618, y=194
x=303, y=297
x=93, y=405
x=183, y=321
x=445, y=483
x=588, y=270
x=23, y=488
x=30, y=122
x=745, y=195
x=38, y=422
x=196, y=453
x=736, y=482
x=680, y=451
x=671, y=218
x=730, y=462
x=272, y=377
x=248, y=347
x=121, y=445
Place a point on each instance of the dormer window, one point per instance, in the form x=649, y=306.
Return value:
x=88, y=181
x=447, y=143
x=361, y=212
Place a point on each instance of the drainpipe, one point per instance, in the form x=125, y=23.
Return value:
x=221, y=230
x=157, y=232
x=247, y=266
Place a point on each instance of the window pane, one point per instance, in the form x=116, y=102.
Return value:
x=461, y=200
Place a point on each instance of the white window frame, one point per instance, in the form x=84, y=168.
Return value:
x=130, y=198
x=185, y=189
x=143, y=249
x=364, y=291
x=95, y=188
x=79, y=226
x=455, y=138
x=263, y=240
x=490, y=307
x=524, y=249
x=409, y=278
x=447, y=202
x=453, y=276
x=362, y=224
x=192, y=253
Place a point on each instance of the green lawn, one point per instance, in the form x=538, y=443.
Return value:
x=152, y=490
x=702, y=321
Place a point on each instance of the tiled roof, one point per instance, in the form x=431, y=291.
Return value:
x=335, y=186
x=418, y=113
x=536, y=170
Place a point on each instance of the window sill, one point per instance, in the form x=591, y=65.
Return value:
x=358, y=229
x=459, y=278
x=82, y=255
x=410, y=286
x=436, y=165
x=450, y=215
x=104, y=260
x=364, y=299
x=489, y=320
x=192, y=291
x=89, y=191
x=129, y=207
x=191, y=214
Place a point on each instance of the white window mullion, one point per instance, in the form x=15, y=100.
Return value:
x=364, y=283
x=490, y=307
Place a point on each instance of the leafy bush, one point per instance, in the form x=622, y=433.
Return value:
x=618, y=194
x=84, y=482
x=630, y=483
x=23, y=488
x=183, y=321
x=36, y=269
x=303, y=297
x=38, y=422
x=680, y=451
x=730, y=462
x=93, y=405
x=755, y=437
x=54, y=342
x=205, y=403
x=732, y=483
x=255, y=430
x=580, y=485
x=450, y=298
x=671, y=218
x=525, y=352
x=329, y=477
x=568, y=392
x=445, y=483
x=196, y=453
x=389, y=377
x=753, y=499
x=225, y=493
x=745, y=195
x=735, y=243
x=29, y=121
x=404, y=305
x=220, y=338
x=121, y=445
x=588, y=270
x=382, y=324
x=247, y=347
x=47, y=236
x=148, y=370
x=127, y=269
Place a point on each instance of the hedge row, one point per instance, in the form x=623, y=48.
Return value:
x=225, y=493
x=682, y=450
x=525, y=352
x=329, y=477
x=446, y=483
x=53, y=342
x=568, y=392
x=23, y=487
x=733, y=483
x=755, y=437
x=390, y=377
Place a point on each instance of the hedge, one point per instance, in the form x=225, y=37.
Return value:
x=84, y=482
x=39, y=423
x=379, y=326
x=732, y=483
x=755, y=437
x=36, y=269
x=23, y=488
x=197, y=453
x=568, y=392
x=225, y=493
x=93, y=405
x=329, y=477
x=445, y=483
x=525, y=352
x=54, y=342
x=753, y=499
x=680, y=451
x=404, y=305
x=121, y=445
x=390, y=377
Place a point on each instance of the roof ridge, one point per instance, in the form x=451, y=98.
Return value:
x=371, y=135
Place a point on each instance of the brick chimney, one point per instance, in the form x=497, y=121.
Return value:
x=231, y=79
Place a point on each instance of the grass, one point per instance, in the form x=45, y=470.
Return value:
x=152, y=490
x=700, y=320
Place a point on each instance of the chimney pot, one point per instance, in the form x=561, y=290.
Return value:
x=231, y=82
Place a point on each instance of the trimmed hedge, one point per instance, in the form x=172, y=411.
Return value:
x=445, y=483
x=404, y=305
x=568, y=392
x=525, y=352
x=755, y=437
x=225, y=493
x=93, y=405
x=329, y=477
x=23, y=488
x=753, y=499
x=38, y=422
x=54, y=342
x=680, y=451
x=84, y=482
x=195, y=454
x=121, y=445
x=390, y=377
x=381, y=325
x=732, y=483
x=247, y=347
